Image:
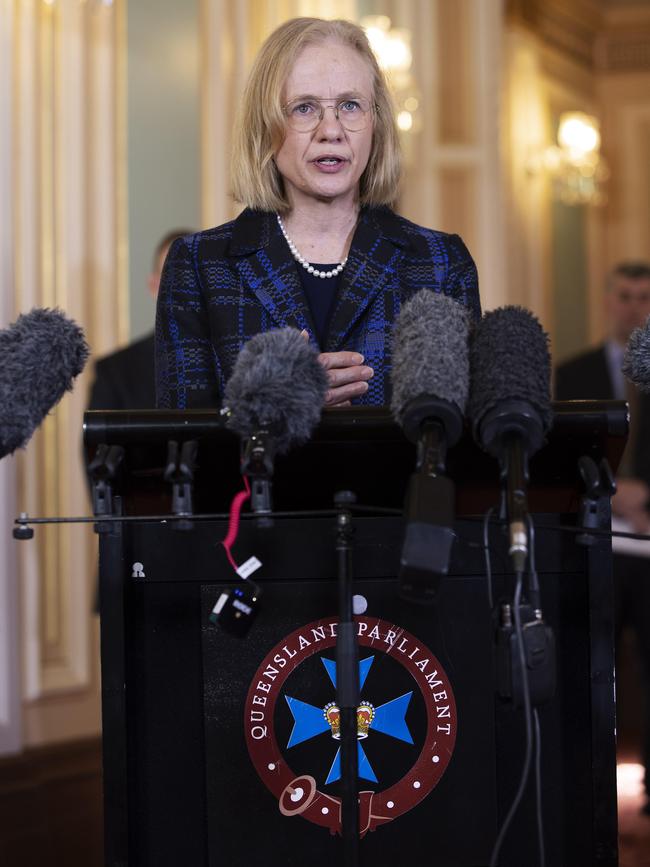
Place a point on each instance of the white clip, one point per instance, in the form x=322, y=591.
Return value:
x=247, y=568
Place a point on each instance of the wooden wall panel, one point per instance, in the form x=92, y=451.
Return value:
x=456, y=58
x=457, y=68
x=68, y=249
x=458, y=197
x=10, y=709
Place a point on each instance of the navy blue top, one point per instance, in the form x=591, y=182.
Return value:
x=320, y=293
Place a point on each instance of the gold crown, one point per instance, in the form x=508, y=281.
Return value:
x=332, y=715
x=365, y=716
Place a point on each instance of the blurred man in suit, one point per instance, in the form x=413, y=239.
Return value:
x=597, y=375
x=126, y=379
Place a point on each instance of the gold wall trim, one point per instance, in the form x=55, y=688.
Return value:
x=10, y=697
x=121, y=169
x=456, y=59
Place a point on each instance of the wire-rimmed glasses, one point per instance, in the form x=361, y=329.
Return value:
x=305, y=113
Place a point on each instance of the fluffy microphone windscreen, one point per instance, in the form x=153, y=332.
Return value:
x=430, y=352
x=636, y=363
x=509, y=361
x=278, y=384
x=40, y=355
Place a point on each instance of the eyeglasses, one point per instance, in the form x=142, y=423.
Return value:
x=352, y=113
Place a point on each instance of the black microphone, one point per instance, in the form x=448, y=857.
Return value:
x=510, y=405
x=430, y=387
x=40, y=355
x=274, y=399
x=636, y=361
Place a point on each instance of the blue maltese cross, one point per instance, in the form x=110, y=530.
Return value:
x=310, y=721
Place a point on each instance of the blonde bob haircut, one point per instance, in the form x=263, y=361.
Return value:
x=261, y=124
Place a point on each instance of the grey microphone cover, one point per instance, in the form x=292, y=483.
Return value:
x=430, y=352
x=636, y=362
x=40, y=355
x=277, y=384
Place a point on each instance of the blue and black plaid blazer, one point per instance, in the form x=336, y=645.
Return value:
x=221, y=287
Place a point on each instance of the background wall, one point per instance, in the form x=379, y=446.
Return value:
x=63, y=244
x=623, y=82
x=164, y=131
x=10, y=695
x=116, y=122
x=452, y=178
x=569, y=279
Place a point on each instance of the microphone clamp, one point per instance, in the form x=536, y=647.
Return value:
x=539, y=656
x=257, y=460
x=258, y=455
x=511, y=432
x=428, y=407
x=510, y=418
x=434, y=424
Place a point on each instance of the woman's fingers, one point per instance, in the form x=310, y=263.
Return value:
x=345, y=393
x=336, y=360
x=347, y=375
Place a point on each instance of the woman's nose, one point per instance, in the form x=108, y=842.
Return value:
x=329, y=124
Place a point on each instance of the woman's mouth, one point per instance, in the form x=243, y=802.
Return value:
x=329, y=164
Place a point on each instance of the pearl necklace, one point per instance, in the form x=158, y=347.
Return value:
x=310, y=268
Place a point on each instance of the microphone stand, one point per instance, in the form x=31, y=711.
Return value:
x=429, y=513
x=514, y=474
x=512, y=431
x=257, y=459
x=347, y=682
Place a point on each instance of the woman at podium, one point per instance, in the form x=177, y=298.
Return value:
x=316, y=163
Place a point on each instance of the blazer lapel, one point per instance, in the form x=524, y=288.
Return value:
x=372, y=262
x=268, y=271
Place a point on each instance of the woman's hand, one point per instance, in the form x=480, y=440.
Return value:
x=347, y=375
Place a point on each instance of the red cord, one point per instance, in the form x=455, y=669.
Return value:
x=233, y=522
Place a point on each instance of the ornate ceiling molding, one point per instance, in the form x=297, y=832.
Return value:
x=568, y=26
x=600, y=35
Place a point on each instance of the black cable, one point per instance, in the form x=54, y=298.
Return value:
x=535, y=600
x=608, y=534
x=486, y=551
x=538, y=788
x=532, y=569
x=566, y=528
x=536, y=603
x=377, y=510
x=528, y=719
x=26, y=520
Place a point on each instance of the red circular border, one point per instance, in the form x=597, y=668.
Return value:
x=299, y=795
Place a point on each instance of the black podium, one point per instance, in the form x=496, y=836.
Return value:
x=224, y=751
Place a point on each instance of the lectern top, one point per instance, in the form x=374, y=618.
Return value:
x=360, y=448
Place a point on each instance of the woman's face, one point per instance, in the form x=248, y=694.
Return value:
x=326, y=163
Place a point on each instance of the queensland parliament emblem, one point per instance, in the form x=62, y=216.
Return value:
x=406, y=723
